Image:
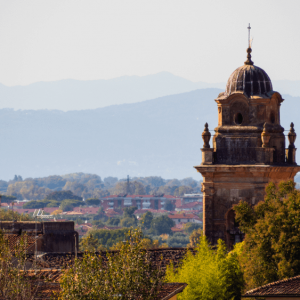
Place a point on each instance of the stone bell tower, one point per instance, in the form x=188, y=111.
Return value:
x=248, y=150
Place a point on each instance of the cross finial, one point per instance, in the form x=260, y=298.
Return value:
x=249, y=35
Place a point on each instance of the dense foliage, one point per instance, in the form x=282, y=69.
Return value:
x=210, y=274
x=14, y=283
x=9, y=215
x=102, y=238
x=161, y=225
x=128, y=274
x=91, y=186
x=272, y=240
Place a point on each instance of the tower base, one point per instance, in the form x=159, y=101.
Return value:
x=225, y=185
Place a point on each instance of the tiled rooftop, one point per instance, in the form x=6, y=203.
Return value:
x=288, y=287
x=182, y=216
x=168, y=290
x=161, y=257
x=15, y=239
x=45, y=283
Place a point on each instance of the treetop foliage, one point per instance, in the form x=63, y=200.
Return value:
x=271, y=247
x=62, y=195
x=91, y=186
x=128, y=274
x=210, y=274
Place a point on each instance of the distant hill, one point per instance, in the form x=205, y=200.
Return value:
x=72, y=94
x=155, y=137
x=77, y=94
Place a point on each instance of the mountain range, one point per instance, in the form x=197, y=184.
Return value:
x=159, y=137
x=72, y=94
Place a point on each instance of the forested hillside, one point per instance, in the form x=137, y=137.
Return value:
x=81, y=185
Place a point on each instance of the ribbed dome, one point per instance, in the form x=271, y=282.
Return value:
x=250, y=79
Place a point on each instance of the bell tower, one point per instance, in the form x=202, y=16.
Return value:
x=248, y=150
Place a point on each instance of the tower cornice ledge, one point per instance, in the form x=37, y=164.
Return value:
x=267, y=171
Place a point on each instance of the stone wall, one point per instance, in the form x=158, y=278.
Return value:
x=55, y=236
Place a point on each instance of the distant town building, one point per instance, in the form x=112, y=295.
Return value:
x=140, y=201
x=185, y=218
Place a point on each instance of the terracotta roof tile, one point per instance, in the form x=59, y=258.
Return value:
x=182, y=216
x=190, y=205
x=168, y=290
x=15, y=239
x=160, y=257
x=286, y=287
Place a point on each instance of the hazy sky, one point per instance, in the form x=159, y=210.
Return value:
x=201, y=40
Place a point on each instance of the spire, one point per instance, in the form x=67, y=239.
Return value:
x=249, y=50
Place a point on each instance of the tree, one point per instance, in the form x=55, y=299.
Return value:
x=113, y=221
x=107, y=238
x=155, y=181
x=92, y=201
x=146, y=220
x=178, y=239
x=15, y=283
x=89, y=243
x=190, y=227
x=210, y=274
x=139, y=188
x=62, y=195
x=110, y=181
x=162, y=224
x=195, y=238
x=189, y=182
x=129, y=211
x=181, y=190
x=97, y=223
x=169, y=205
x=128, y=222
x=69, y=204
x=7, y=199
x=75, y=187
x=9, y=215
x=272, y=239
x=129, y=274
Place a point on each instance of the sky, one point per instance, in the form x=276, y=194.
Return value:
x=102, y=39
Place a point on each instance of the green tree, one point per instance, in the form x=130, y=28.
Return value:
x=129, y=211
x=146, y=220
x=97, y=223
x=7, y=199
x=113, y=222
x=62, y=195
x=162, y=224
x=272, y=239
x=190, y=227
x=128, y=274
x=169, y=205
x=92, y=201
x=69, y=204
x=15, y=283
x=139, y=188
x=128, y=222
x=108, y=238
x=178, y=239
x=210, y=274
x=89, y=243
x=195, y=238
x=9, y=215
x=181, y=190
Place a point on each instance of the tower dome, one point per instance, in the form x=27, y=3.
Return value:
x=249, y=79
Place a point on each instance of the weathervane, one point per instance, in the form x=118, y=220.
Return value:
x=249, y=35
